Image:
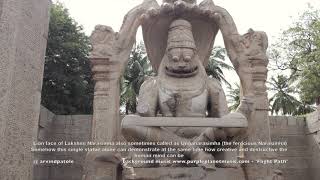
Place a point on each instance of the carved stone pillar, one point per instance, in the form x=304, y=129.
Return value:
x=248, y=55
x=259, y=126
x=105, y=122
x=109, y=56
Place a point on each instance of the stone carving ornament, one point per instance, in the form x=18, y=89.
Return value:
x=102, y=39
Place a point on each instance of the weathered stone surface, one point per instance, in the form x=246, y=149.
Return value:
x=23, y=27
x=75, y=128
x=313, y=121
x=45, y=130
x=313, y=127
x=303, y=152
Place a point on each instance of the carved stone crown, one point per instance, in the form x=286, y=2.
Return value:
x=180, y=35
x=187, y=1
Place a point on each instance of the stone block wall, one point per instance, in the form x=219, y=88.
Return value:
x=23, y=39
x=45, y=124
x=292, y=130
x=44, y=134
x=303, y=150
x=70, y=128
x=62, y=128
x=313, y=134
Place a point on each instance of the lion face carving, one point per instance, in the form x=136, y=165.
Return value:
x=181, y=63
x=180, y=60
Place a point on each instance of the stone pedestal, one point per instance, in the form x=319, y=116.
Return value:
x=23, y=38
x=196, y=173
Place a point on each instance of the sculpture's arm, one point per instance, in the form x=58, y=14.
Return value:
x=217, y=103
x=148, y=98
x=218, y=108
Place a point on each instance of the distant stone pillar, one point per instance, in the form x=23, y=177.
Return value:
x=23, y=38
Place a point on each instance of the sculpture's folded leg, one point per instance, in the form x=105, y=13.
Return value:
x=160, y=134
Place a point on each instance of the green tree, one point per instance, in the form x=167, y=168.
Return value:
x=67, y=85
x=303, y=109
x=216, y=65
x=298, y=50
x=137, y=70
x=283, y=100
x=234, y=96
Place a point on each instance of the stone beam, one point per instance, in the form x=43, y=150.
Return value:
x=235, y=120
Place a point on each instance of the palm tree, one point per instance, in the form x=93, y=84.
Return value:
x=137, y=70
x=283, y=101
x=234, y=96
x=216, y=64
